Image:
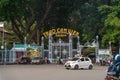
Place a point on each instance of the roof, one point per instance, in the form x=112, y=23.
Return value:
x=5, y=31
x=19, y=47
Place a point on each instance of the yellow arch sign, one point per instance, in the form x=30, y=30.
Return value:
x=61, y=32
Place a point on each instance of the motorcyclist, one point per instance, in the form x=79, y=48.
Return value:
x=114, y=68
x=117, y=61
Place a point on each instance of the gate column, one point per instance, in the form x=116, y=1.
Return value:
x=70, y=45
x=42, y=44
x=50, y=49
x=78, y=46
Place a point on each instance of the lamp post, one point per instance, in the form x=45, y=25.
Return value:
x=97, y=49
x=25, y=41
x=25, y=45
x=60, y=48
x=2, y=46
x=50, y=48
x=70, y=45
x=42, y=44
x=110, y=49
x=5, y=53
x=78, y=46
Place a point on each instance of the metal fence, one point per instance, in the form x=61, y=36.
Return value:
x=8, y=56
x=4, y=55
x=11, y=56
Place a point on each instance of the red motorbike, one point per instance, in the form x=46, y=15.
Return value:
x=111, y=78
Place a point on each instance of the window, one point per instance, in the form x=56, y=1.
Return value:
x=74, y=59
x=82, y=59
x=86, y=59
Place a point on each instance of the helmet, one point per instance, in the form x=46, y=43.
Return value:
x=117, y=57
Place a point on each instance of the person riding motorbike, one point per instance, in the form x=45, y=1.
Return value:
x=117, y=59
x=113, y=72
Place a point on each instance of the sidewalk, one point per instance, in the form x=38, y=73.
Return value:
x=2, y=63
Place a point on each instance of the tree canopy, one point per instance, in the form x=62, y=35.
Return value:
x=30, y=18
x=111, y=18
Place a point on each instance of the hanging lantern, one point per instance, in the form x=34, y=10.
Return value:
x=56, y=51
x=64, y=52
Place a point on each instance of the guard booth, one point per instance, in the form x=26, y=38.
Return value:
x=60, y=43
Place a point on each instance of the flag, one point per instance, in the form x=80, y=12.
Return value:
x=1, y=24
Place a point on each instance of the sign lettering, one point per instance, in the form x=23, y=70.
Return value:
x=61, y=32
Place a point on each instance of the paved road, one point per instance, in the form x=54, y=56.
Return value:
x=49, y=72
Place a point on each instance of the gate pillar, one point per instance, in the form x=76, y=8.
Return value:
x=78, y=46
x=50, y=48
x=42, y=44
x=70, y=45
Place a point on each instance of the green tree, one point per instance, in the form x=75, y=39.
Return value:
x=111, y=18
x=30, y=18
x=86, y=19
x=26, y=16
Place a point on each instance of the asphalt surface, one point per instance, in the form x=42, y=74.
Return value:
x=50, y=72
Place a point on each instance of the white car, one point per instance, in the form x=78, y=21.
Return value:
x=79, y=63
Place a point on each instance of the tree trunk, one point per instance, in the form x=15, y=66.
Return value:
x=40, y=23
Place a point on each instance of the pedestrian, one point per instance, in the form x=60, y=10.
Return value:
x=59, y=60
x=46, y=60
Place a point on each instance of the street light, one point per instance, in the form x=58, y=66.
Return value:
x=60, y=55
x=5, y=53
x=2, y=25
x=42, y=44
x=79, y=46
x=110, y=49
x=70, y=45
x=2, y=46
x=25, y=41
x=97, y=49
